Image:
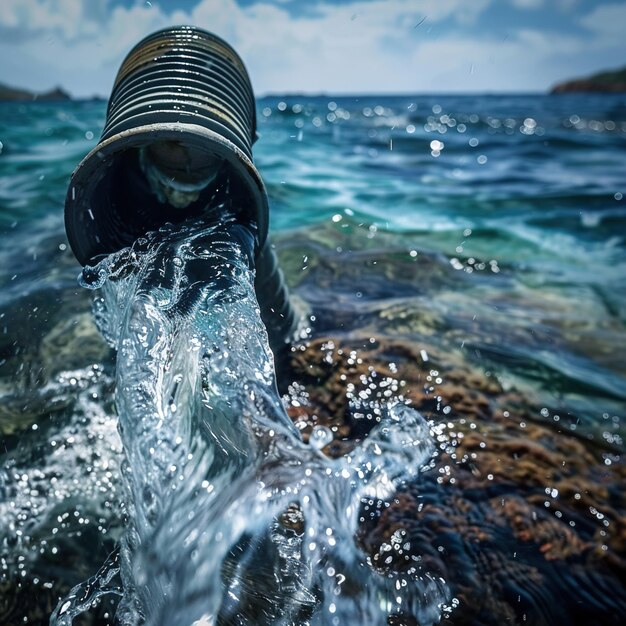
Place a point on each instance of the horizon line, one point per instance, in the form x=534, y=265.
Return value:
x=330, y=94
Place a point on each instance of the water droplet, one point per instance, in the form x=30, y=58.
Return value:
x=321, y=436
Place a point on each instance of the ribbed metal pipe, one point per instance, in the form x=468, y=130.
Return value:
x=182, y=71
x=178, y=86
x=183, y=90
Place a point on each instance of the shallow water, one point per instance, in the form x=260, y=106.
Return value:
x=484, y=277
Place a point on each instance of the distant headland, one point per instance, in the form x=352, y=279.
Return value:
x=13, y=94
x=613, y=81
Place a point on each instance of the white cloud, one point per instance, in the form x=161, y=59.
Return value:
x=527, y=4
x=70, y=19
x=364, y=46
x=529, y=61
x=356, y=46
x=608, y=21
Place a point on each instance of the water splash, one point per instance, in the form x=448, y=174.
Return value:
x=232, y=518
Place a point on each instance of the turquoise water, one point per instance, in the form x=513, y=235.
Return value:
x=478, y=234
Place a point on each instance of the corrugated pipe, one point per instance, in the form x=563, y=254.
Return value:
x=177, y=143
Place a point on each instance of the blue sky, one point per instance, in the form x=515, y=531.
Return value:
x=332, y=46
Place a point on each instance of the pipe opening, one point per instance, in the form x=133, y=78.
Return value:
x=138, y=181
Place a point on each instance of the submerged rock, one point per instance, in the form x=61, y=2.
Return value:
x=520, y=516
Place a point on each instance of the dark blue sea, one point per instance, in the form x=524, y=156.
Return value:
x=471, y=249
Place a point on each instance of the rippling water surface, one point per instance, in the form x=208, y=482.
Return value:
x=463, y=256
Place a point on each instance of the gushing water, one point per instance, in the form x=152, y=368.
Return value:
x=232, y=518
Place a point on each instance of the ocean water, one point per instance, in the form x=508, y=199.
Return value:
x=464, y=255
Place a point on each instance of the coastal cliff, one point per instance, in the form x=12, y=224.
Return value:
x=12, y=94
x=608, y=82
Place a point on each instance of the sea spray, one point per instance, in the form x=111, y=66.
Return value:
x=232, y=518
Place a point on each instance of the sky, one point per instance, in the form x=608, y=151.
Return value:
x=326, y=46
